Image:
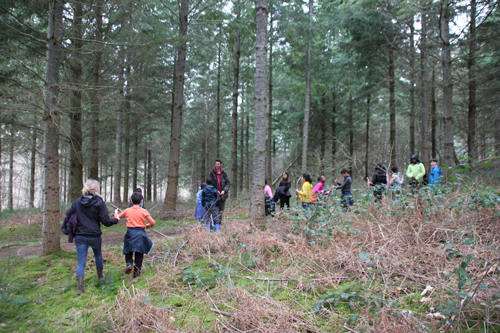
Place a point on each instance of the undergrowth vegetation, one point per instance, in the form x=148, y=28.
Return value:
x=426, y=262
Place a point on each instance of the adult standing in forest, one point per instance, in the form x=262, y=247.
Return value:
x=220, y=180
x=283, y=191
x=91, y=211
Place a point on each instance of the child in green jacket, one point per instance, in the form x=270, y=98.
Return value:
x=415, y=172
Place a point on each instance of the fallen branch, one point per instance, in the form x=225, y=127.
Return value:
x=221, y=312
x=159, y=233
x=266, y=279
x=350, y=330
x=175, y=258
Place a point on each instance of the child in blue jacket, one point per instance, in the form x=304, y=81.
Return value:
x=435, y=176
x=209, y=200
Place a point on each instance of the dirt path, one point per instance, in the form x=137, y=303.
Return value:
x=107, y=240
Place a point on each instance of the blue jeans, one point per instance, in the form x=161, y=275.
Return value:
x=348, y=201
x=82, y=244
x=306, y=205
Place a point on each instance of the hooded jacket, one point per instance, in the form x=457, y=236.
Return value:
x=209, y=197
x=306, y=193
x=91, y=211
x=416, y=170
x=225, y=183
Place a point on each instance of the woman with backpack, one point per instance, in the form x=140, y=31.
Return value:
x=91, y=211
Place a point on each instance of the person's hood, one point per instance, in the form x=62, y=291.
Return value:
x=379, y=171
x=414, y=156
x=88, y=201
x=221, y=170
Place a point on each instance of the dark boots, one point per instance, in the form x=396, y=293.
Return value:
x=100, y=275
x=80, y=283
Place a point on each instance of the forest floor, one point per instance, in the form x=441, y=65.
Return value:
x=425, y=263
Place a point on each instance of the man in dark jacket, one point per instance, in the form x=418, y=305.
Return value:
x=221, y=183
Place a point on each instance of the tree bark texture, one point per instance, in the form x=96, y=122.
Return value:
x=176, y=131
x=471, y=62
x=322, y=128
x=118, y=141
x=217, y=132
x=234, y=127
x=434, y=119
x=150, y=175
x=350, y=119
x=367, y=135
x=269, y=159
x=247, y=154
x=424, y=100
x=259, y=149
x=242, y=152
x=334, y=133
x=76, y=67
x=392, y=107
x=449, y=151
x=11, y=168
x=52, y=119
x=412, y=87
x=136, y=160
x=96, y=96
x=126, y=148
x=32, y=163
x=305, y=139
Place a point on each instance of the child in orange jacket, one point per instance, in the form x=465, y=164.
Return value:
x=136, y=241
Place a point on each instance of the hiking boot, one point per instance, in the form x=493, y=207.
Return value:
x=129, y=268
x=80, y=283
x=100, y=275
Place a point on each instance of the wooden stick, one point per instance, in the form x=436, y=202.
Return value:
x=350, y=330
x=160, y=233
x=221, y=312
x=116, y=207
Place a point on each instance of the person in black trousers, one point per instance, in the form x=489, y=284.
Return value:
x=282, y=193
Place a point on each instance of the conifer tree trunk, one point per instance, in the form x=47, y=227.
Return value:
x=150, y=175
x=234, y=127
x=242, y=147
x=155, y=180
x=424, y=133
x=350, y=119
x=32, y=163
x=76, y=67
x=367, y=137
x=322, y=126
x=11, y=168
x=52, y=118
x=471, y=61
x=96, y=98
x=412, y=87
x=247, y=154
x=118, y=136
x=176, y=131
x=217, y=140
x=111, y=184
x=392, y=106
x=449, y=150
x=126, y=148
x=269, y=171
x=136, y=161
x=0, y=169
x=434, y=119
x=145, y=190
x=305, y=138
x=259, y=149
x=334, y=133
